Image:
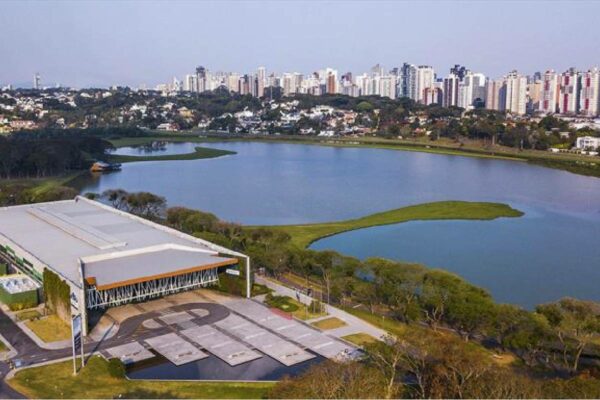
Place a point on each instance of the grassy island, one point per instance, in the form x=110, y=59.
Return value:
x=201, y=152
x=96, y=382
x=304, y=235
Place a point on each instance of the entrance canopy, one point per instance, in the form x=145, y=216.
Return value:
x=108, y=271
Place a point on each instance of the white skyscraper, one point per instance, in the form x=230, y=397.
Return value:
x=450, y=90
x=568, y=98
x=589, y=97
x=261, y=78
x=425, y=79
x=516, y=93
x=549, y=95
x=471, y=88
x=495, y=98
x=37, y=82
x=387, y=86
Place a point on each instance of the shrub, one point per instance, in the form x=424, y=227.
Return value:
x=116, y=368
x=21, y=306
x=283, y=303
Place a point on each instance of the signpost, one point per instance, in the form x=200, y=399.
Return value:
x=76, y=331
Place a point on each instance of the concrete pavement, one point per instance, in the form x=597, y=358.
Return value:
x=353, y=324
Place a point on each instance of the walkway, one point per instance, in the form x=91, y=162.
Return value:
x=353, y=324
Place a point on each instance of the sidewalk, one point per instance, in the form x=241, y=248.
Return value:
x=353, y=324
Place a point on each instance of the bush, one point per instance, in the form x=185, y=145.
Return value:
x=283, y=303
x=258, y=289
x=21, y=306
x=231, y=284
x=116, y=368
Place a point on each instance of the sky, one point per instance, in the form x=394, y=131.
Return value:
x=98, y=44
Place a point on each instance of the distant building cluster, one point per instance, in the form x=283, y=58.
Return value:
x=569, y=93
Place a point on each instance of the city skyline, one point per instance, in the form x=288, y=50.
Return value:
x=134, y=43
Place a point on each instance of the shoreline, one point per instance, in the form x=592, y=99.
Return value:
x=303, y=235
x=580, y=165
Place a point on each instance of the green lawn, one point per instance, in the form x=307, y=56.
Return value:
x=293, y=307
x=304, y=235
x=360, y=339
x=56, y=381
x=3, y=346
x=329, y=323
x=201, y=152
x=50, y=328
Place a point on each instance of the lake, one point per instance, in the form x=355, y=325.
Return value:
x=551, y=252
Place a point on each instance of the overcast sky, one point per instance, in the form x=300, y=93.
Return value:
x=118, y=42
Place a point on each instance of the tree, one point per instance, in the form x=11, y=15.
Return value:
x=576, y=324
x=388, y=357
x=333, y=380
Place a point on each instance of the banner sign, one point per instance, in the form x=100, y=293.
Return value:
x=231, y=271
x=76, y=327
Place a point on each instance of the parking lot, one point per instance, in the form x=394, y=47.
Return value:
x=246, y=333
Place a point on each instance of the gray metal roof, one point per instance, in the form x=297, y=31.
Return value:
x=123, y=268
x=60, y=234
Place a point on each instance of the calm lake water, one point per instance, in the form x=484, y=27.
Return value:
x=551, y=252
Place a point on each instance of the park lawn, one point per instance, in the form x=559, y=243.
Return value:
x=199, y=153
x=56, y=381
x=303, y=235
x=3, y=346
x=293, y=307
x=329, y=323
x=360, y=339
x=304, y=313
x=50, y=328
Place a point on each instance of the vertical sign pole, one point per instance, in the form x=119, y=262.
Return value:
x=82, y=351
x=73, y=344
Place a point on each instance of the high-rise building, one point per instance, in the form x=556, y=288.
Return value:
x=261, y=81
x=190, y=83
x=425, y=79
x=332, y=82
x=377, y=70
x=450, y=98
x=37, y=81
x=516, y=93
x=433, y=94
x=459, y=70
x=408, y=78
x=589, y=97
x=495, y=98
x=387, y=86
x=471, y=90
x=534, y=95
x=568, y=98
x=201, y=78
x=549, y=94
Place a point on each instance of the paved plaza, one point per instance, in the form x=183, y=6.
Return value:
x=221, y=345
x=175, y=349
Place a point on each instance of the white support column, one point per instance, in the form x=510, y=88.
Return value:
x=248, y=285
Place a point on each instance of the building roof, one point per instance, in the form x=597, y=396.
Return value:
x=113, y=246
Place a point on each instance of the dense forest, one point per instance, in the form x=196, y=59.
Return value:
x=446, y=330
